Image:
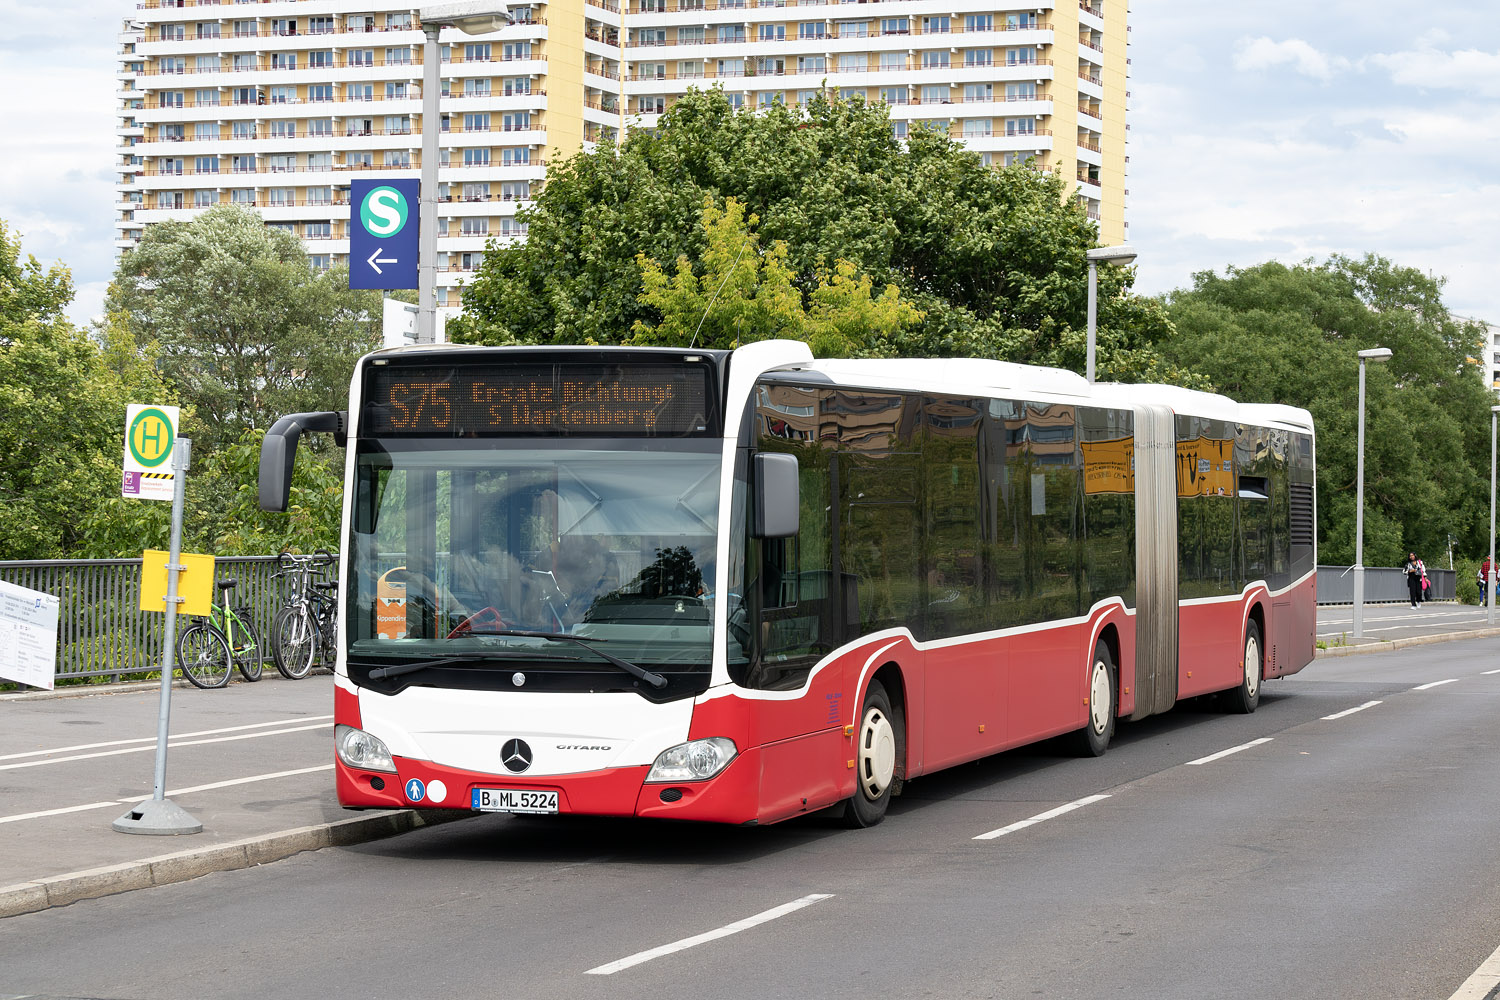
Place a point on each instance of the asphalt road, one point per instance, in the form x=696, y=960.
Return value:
x=1332, y=854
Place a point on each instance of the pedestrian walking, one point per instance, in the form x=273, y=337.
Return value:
x=1424, y=592
x=1413, y=570
x=1484, y=582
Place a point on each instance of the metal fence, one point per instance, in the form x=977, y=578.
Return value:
x=1383, y=584
x=101, y=629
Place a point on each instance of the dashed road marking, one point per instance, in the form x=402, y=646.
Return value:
x=1350, y=711
x=1042, y=817
x=1225, y=753
x=713, y=935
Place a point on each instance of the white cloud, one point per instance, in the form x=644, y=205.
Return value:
x=1427, y=67
x=1262, y=53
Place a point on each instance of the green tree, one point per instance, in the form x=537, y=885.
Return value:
x=992, y=258
x=1273, y=333
x=64, y=397
x=243, y=328
x=745, y=294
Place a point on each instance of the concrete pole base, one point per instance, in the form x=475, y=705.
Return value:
x=157, y=818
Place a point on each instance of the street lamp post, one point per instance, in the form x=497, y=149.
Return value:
x=1373, y=354
x=1118, y=256
x=473, y=17
x=1490, y=577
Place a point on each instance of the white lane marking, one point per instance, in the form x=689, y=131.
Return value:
x=58, y=812
x=175, y=742
x=1488, y=672
x=1042, y=817
x=246, y=781
x=1350, y=711
x=1433, y=684
x=152, y=739
x=170, y=792
x=1483, y=982
x=713, y=935
x=1225, y=753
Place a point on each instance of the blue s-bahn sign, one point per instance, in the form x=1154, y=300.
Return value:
x=383, y=233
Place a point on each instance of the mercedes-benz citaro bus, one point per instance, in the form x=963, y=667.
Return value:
x=742, y=586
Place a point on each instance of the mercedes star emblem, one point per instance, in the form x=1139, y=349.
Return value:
x=515, y=755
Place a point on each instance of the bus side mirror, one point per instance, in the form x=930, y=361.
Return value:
x=777, y=496
x=278, y=452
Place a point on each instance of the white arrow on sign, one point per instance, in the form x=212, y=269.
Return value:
x=376, y=260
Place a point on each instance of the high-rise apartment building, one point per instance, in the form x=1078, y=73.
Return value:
x=278, y=104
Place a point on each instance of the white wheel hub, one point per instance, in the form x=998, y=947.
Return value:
x=1099, y=697
x=1252, y=665
x=877, y=753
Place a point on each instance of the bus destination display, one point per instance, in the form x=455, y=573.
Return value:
x=562, y=400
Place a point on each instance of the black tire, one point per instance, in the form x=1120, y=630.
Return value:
x=203, y=655
x=249, y=662
x=1104, y=704
x=294, y=641
x=879, y=753
x=1246, y=697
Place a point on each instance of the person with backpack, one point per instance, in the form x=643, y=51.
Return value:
x=1413, y=570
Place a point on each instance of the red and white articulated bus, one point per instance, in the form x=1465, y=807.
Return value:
x=744, y=586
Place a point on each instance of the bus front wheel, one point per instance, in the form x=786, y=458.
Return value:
x=879, y=743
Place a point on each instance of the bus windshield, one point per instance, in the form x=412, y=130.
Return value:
x=458, y=545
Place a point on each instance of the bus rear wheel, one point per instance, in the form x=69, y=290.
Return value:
x=879, y=743
x=1094, y=738
x=1246, y=697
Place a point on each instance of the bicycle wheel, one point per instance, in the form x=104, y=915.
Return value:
x=203, y=655
x=247, y=651
x=293, y=641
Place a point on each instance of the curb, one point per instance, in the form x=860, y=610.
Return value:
x=1416, y=640
x=60, y=890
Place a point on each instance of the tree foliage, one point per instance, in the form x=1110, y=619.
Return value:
x=64, y=397
x=242, y=326
x=1273, y=333
x=993, y=259
x=744, y=294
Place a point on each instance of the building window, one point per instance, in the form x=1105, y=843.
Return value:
x=1020, y=91
x=242, y=196
x=977, y=128
x=937, y=94
x=517, y=121
x=281, y=163
x=811, y=64
x=893, y=95
x=979, y=57
x=814, y=29
x=1020, y=57
x=979, y=22
x=320, y=262
x=479, y=122
x=477, y=88
x=395, y=91
x=320, y=126
x=319, y=195
x=515, y=157
x=282, y=95
x=206, y=164
x=318, y=230
x=937, y=59
x=475, y=226
x=319, y=161
x=281, y=197
x=1020, y=126
x=853, y=62
x=205, y=131
x=205, y=199
x=476, y=191
x=242, y=130
x=937, y=25
x=284, y=130
x=320, y=92
x=477, y=52
x=978, y=92
x=895, y=26
x=768, y=33
x=476, y=157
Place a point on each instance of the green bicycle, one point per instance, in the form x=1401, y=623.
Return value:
x=226, y=639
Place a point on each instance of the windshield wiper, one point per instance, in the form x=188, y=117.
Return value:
x=635, y=670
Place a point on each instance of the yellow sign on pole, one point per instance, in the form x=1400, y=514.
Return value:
x=195, y=586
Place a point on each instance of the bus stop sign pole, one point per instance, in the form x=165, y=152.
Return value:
x=159, y=815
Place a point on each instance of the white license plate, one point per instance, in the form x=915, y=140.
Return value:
x=514, y=800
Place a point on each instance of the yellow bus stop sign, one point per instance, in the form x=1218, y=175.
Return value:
x=195, y=585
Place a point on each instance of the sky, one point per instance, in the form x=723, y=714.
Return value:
x=1259, y=130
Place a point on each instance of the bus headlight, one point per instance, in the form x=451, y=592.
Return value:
x=693, y=761
x=357, y=748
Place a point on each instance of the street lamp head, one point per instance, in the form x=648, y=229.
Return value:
x=1376, y=354
x=1495, y=409
x=472, y=17
x=1119, y=256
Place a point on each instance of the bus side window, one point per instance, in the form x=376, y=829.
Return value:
x=780, y=578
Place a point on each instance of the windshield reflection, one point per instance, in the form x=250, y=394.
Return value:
x=456, y=548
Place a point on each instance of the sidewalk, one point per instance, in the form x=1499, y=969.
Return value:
x=253, y=764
